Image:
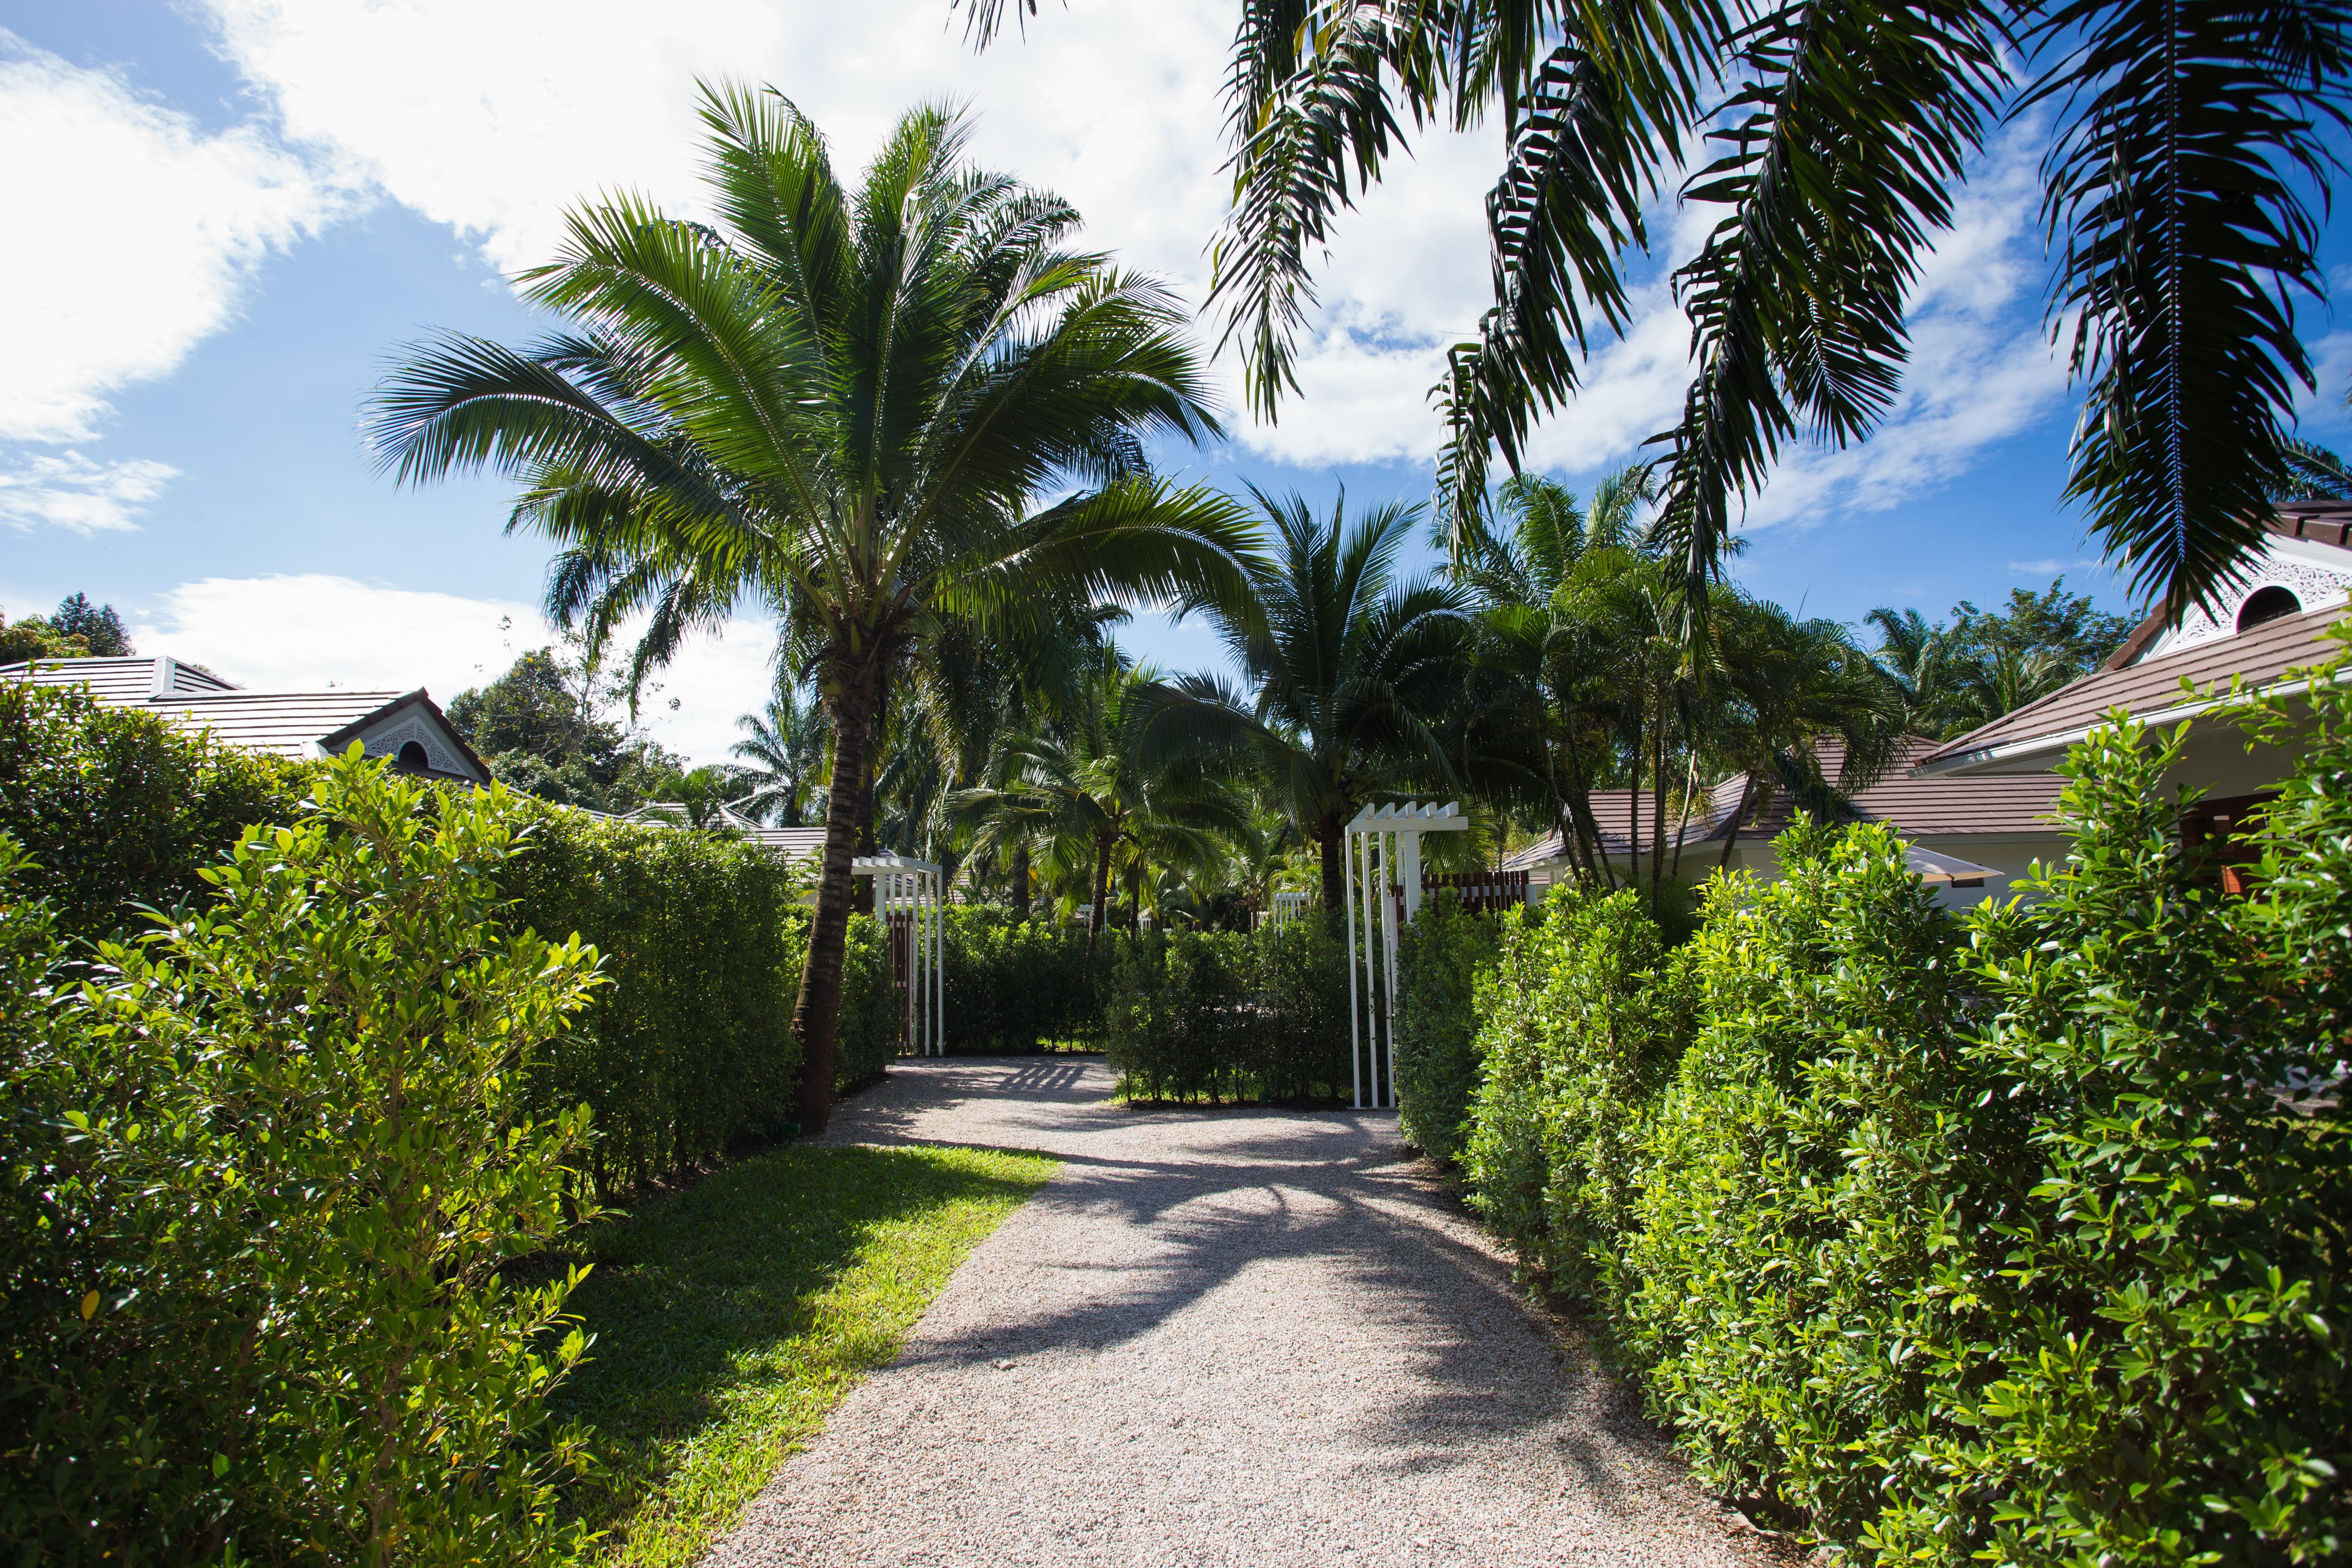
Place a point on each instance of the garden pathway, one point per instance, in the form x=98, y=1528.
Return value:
x=1247, y=1338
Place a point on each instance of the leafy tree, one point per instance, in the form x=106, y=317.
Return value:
x=541, y=730
x=782, y=750
x=1953, y=678
x=702, y=792
x=99, y=626
x=33, y=637
x=1349, y=664
x=2185, y=169
x=840, y=405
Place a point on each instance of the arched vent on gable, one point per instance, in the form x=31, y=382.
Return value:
x=2264, y=605
x=412, y=758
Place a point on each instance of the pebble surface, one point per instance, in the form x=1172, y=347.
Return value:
x=1245, y=1337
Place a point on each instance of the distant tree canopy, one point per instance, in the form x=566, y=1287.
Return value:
x=98, y=626
x=1987, y=663
x=76, y=631
x=542, y=731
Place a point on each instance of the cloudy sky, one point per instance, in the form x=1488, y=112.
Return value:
x=228, y=214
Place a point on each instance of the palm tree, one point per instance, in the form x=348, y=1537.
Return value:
x=2186, y=173
x=702, y=792
x=839, y=405
x=1348, y=668
x=784, y=748
x=1086, y=791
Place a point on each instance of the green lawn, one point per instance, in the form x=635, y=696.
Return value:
x=730, y=1317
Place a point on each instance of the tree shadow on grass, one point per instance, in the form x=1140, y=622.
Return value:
x=730, y=1317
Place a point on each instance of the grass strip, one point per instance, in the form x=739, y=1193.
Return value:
x=730, y=1317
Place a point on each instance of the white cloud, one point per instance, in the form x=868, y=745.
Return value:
x=309, y=631
x=71, y=491
x=1981, y=366
x=494, y=116
x=136, y=233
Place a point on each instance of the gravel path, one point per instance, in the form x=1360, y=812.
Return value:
x=1246, y=1337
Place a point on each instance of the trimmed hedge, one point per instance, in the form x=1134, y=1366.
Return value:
x=1441, y=956
x=2018, y=1237
x=264, y=1177
x=1221, y=1016
x=115, y=809
x=687, y=1053
x=689, y=1050
x=1014, y=987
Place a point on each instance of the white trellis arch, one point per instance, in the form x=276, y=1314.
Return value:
x=906, y=895
x=1383, y=843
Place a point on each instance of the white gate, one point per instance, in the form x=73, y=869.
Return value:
x=1384, y=860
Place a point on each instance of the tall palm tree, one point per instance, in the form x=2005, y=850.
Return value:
x=839, y=405
x=2190, y=143
x=783, y=751
x=1348, y=667
x=1086, y=791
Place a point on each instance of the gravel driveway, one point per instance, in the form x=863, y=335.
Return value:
x=1234, y=1338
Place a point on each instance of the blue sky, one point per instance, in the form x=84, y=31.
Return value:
x=241, y=209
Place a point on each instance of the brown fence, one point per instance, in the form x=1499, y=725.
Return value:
x=1481, y=892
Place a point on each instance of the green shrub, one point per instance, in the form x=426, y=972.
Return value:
x=118, y=809
x=2155, y=1373
x=1016, y=985
x=266, y=1176
x=689, y=1051
x=1440, y=955
x=1221, y=1015
x=2016, y=1239
x=1580, y=1021
x=1798, y=1198
x=873, y=1025
x=1299, y=994
x=1178, y=1023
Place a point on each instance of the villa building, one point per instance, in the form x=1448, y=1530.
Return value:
x=407, y=727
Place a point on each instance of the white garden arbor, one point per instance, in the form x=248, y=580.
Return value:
x=907, y=899
x=1383, y=849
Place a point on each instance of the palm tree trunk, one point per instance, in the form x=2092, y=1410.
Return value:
x=1020, y=880
x=816, y=1014
x=1102, y=893
x=1329, y=841
x=1658, y=800
x=1738, y=819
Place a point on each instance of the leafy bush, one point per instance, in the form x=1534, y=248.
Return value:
x=1018, y=985
x=2018, y=1239
x=689, y=1052
x=1220, y=1015
x=872, y=1024
x=1797, y=1198
x=118, y=809
x=1440, y=955
x=265, y=1175
x=1580, y=1023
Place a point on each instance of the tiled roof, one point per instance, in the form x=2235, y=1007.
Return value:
x=1915, y=806
x=2033, y=736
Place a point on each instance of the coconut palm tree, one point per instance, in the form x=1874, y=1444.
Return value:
x=839, y=406
x=1084, y=789
x=2190, y=143
x=783, y=752
x=1348, y=665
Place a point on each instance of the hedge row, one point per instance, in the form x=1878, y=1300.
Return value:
x=1226, y=1016
x=1017, y=985
x=689, y=1052
x=2015, y=1237
x=262, y=1175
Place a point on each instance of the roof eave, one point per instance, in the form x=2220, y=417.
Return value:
x=2007, y=757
